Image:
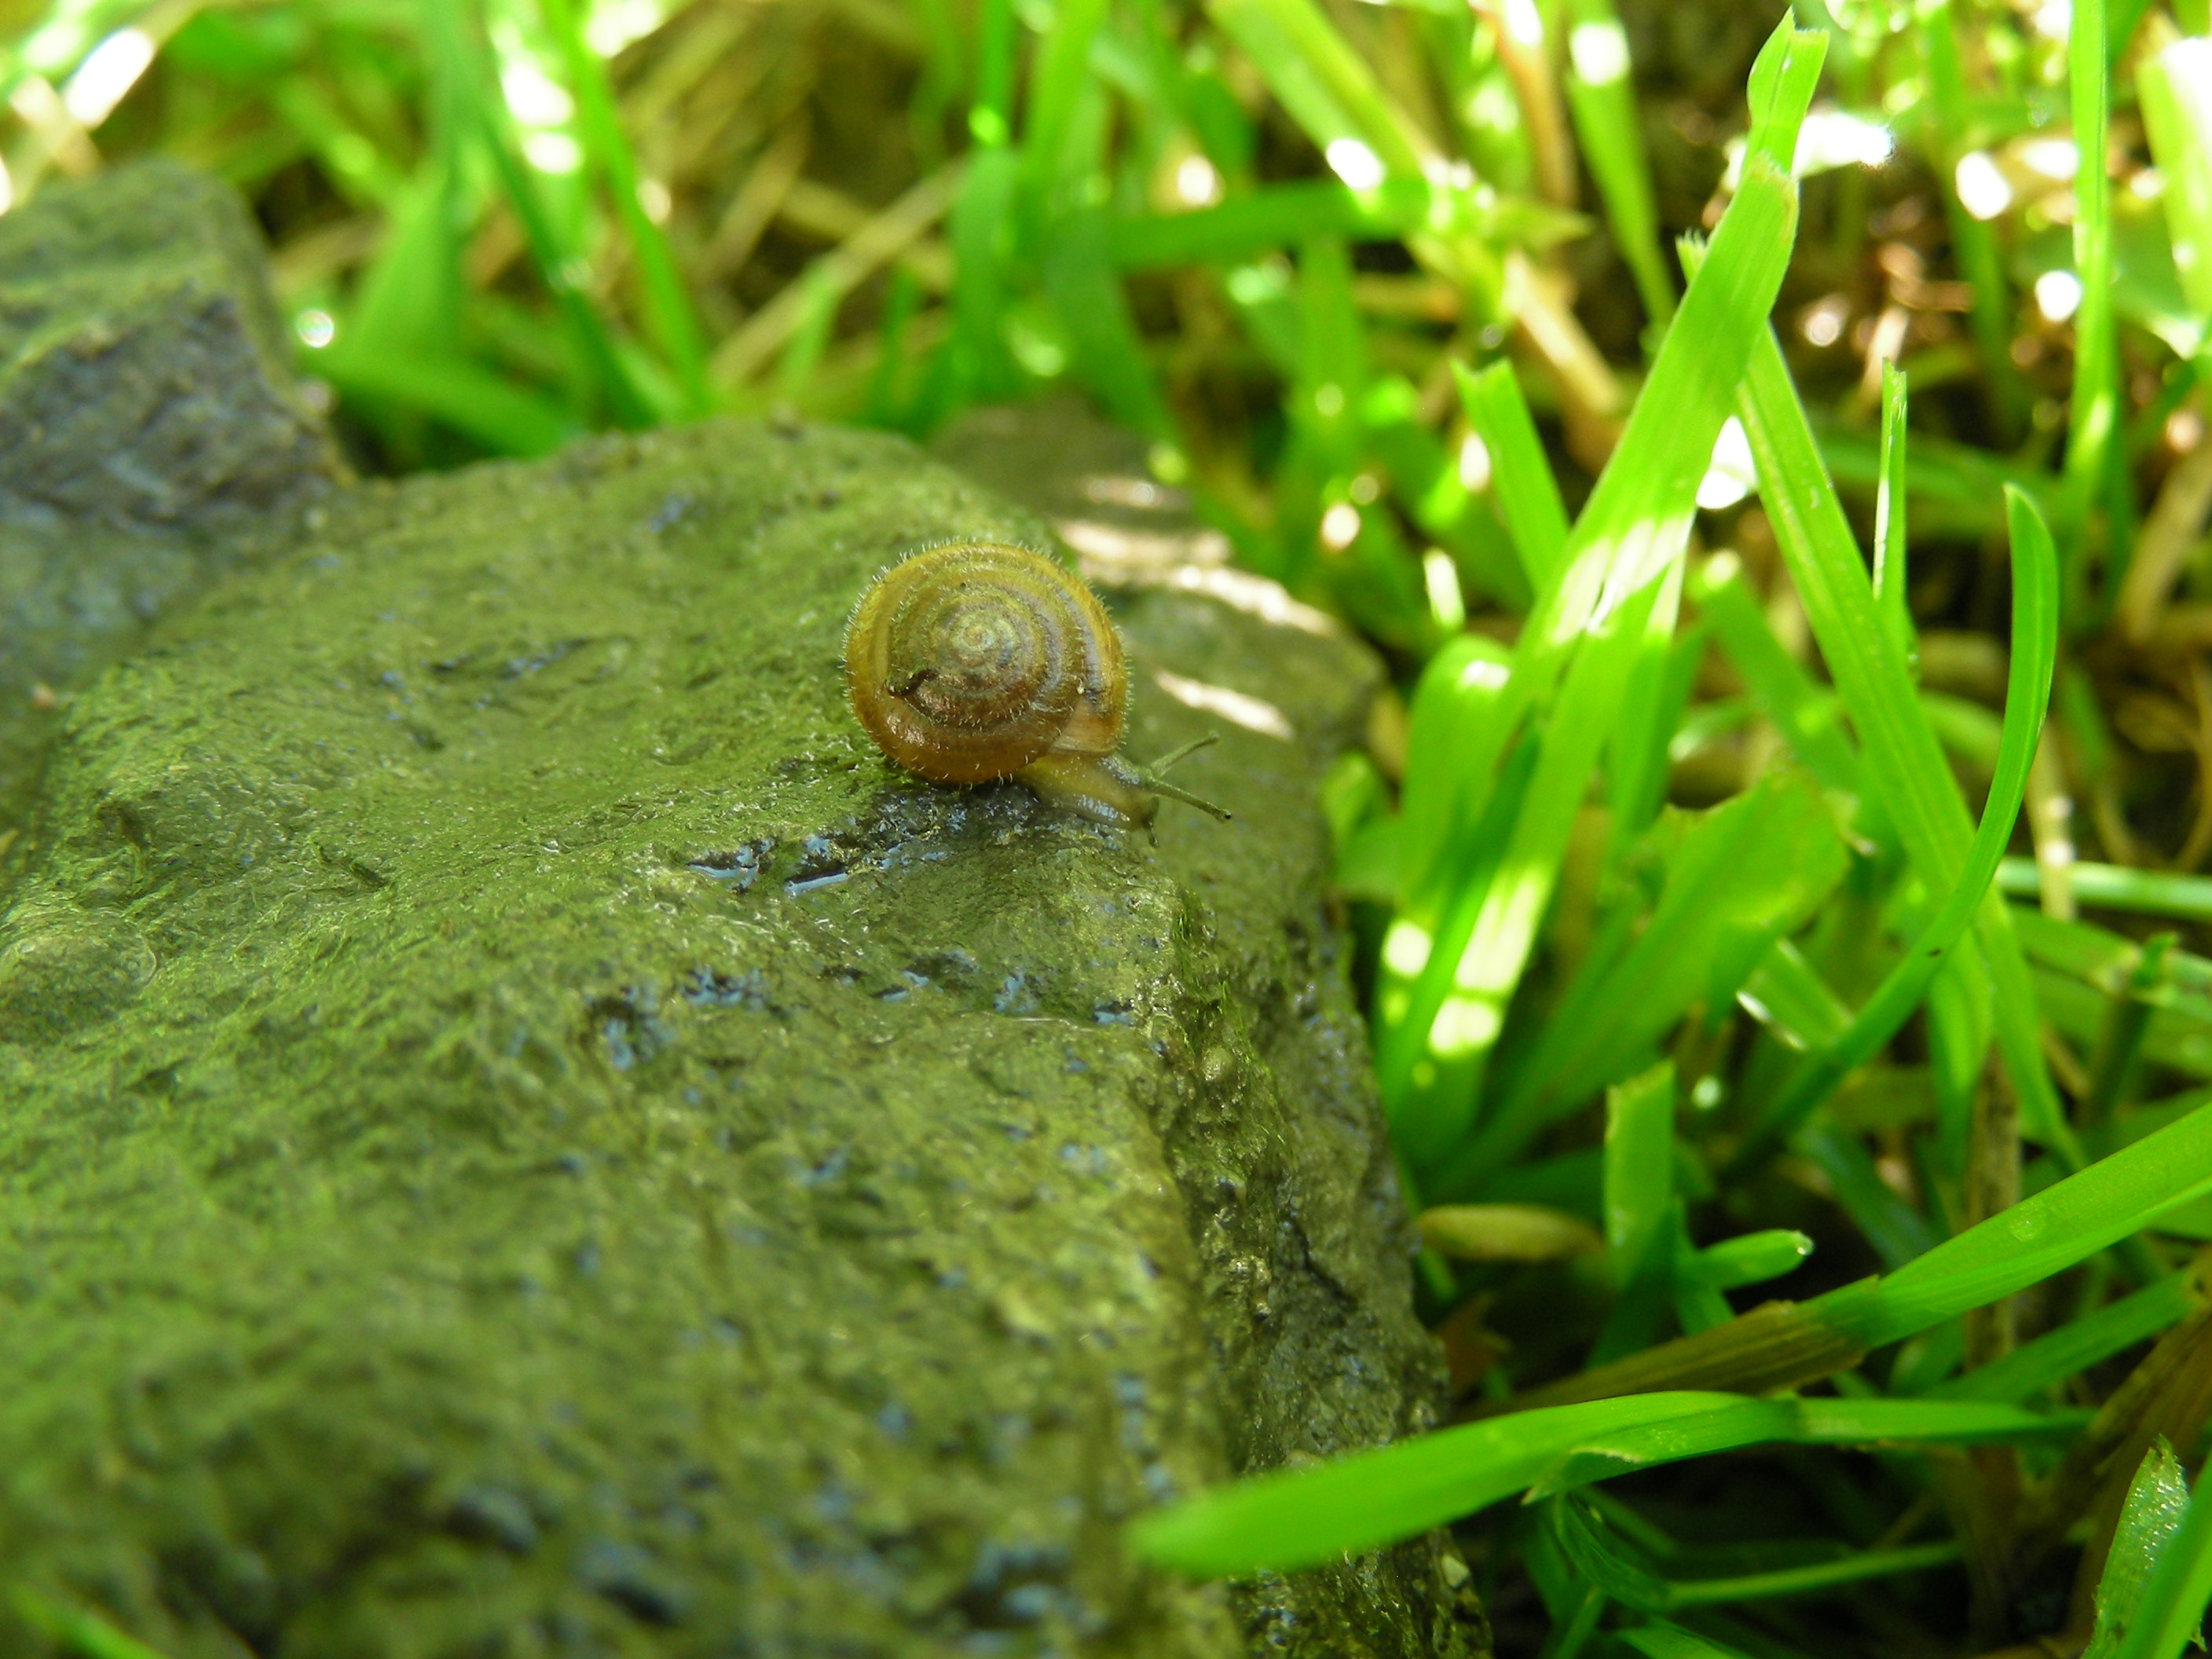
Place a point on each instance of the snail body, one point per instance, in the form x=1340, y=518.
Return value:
x=980, y=661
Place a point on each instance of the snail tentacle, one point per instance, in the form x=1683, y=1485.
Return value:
x=1153, y=783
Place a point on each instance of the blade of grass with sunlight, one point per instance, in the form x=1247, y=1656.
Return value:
x=1572, y=666
x=1295, y=1519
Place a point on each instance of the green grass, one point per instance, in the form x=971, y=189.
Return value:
x=1300, y=1518
x=1804, y=895
x=79, y=1633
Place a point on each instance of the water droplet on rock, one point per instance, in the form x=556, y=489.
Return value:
x=61, y=970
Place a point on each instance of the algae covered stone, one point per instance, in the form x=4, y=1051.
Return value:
x=527, y=1136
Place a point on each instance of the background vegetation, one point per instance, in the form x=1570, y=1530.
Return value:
x=1680, y=865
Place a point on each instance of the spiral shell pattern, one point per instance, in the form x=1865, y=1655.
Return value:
x=967, y=663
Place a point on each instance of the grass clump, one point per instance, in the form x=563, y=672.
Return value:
x=1764, y=733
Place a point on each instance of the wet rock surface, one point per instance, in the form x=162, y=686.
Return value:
x=527, y=1136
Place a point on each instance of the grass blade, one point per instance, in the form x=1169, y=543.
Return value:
x=2157, y=1501
x=2095, y=407
x=1889, y=570
x=555, y=258
x=1299, y=1518
x=1617, y=1568
x=410, y=299
x=1520, y=475
x=1285, y=1521
x=1981, y=262
x=1575, y=655
x=1751, y=1258
x=991, y=114
x=489, y=407
x=1366, y=139
x=2174, y=86
x=1921, y=798
x=1087, y=296
x=1328, y=90
x=1424, y=477
x=1610, y=130
x=1671, y=1641
x=1058, y=154
x=2115, y=887
x=1637, y=758
x=981, y=197
x=669, y=316
x=80, y=1634
x=2171, y=1610
x=1813, y=1580
x=1639, y=1164
x=1740, y=876
x=1784, y=1344
x=2027, y=694
x=1893, y=1228
x=1807, y=715
x=2039, y=1235
x=2077, y=1344
x=1456, y=697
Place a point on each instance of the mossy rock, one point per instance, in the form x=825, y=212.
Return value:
x=150, y=436
x=142, y=376
x=527, y=1136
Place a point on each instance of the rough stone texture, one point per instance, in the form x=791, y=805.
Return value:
x=525, y=1136
x=147, y=428
x=142, y=366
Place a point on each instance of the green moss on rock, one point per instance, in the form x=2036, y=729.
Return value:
x=527, y=1136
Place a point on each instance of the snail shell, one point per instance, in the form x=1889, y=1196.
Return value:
x=980, y=661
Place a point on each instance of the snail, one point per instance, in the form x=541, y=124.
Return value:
x=978, y=661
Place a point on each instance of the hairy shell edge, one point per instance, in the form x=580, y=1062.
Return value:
x=978, y=660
